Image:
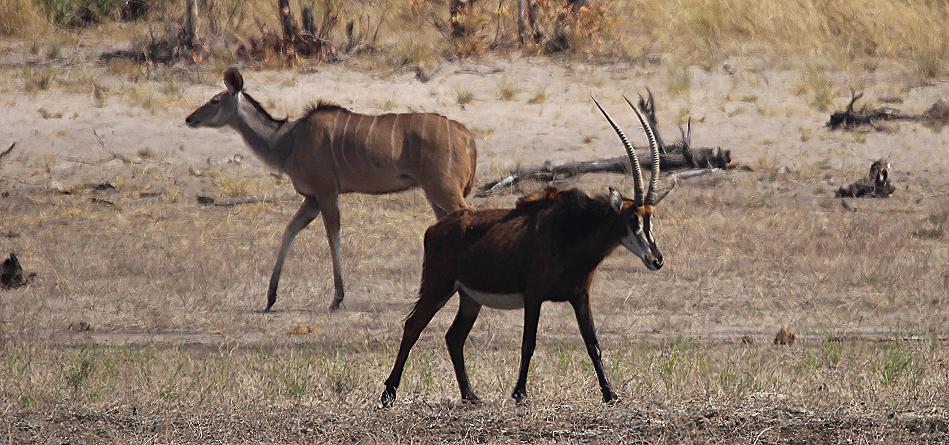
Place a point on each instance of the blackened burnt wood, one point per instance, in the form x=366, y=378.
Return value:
x=696, y=158
x=875, y=185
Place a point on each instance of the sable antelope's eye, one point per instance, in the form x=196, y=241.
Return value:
x=215, y=100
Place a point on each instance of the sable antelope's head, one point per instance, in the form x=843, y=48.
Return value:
x=637, y=213
x=222, y=108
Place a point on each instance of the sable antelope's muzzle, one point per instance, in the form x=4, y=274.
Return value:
x=191, y=121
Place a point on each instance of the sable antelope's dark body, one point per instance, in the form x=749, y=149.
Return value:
x=545, y=249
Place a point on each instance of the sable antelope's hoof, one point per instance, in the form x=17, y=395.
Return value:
x=471, y=399
x=335, y=306
x=519, y=396
x=388, y=396
x=610, y=397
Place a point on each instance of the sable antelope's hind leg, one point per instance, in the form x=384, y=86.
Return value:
x=531, y=317
x=307, y=212
x=429, y=302
x=581, y=306
x=468, y=310
x=331, y=222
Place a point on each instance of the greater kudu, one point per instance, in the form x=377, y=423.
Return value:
x=331, y=150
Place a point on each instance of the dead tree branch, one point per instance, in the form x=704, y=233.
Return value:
x=7, y=152
x=678, y=156
x=852, y=118
x=690, y=160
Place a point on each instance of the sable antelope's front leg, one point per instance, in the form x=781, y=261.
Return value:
x=331, y=222
x=531, y=317
x=308, y=211
x=581, y=306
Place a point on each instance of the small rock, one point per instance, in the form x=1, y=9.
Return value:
x=785, y=336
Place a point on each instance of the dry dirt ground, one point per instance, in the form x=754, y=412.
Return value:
x=142, y=322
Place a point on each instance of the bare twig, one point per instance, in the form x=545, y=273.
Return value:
x=7, y=151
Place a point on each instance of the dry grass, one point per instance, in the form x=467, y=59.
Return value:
x=463, y=96
x=506, y=90
x=706, y=31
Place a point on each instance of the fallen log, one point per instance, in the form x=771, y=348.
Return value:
x=875, y=185
x=210, y=201
x=680, y=155
x=851, y=118
x=700, y=158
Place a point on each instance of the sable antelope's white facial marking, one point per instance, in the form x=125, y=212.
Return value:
x=496, y=301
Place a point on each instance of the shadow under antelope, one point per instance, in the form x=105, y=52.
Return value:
x=331, y=150
x=545, y=249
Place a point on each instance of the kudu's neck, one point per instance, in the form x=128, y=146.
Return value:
x=262, y=133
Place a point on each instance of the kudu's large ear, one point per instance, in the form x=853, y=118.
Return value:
x=233, y=80
x=616, y=201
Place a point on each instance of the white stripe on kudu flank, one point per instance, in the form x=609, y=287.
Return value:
x=450, y=149
x=342, y=140
x=392, y=138
x=371, y=126
x=333, y=129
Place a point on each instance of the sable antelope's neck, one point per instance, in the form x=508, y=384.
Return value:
x=260, y=131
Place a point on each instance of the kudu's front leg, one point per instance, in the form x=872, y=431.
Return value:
x=581, y=306
x=531, y=317
x=331, y=222
x=308, y=211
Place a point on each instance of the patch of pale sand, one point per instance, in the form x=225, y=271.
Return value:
x=754, y=113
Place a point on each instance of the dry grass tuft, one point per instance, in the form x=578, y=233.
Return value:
x=506, y=90
x=463, y=96
x=817, y=85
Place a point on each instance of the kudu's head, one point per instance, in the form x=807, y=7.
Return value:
x=637, y=213
x=223, y=107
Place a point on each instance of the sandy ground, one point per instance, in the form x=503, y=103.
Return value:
x=746, y=251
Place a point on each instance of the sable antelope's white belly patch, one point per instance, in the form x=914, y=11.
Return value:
x=496, y=301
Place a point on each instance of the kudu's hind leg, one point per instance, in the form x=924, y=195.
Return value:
x=331, y=222
x=308, y=211
x=444, y=201
x=468, y=310
x=431, y=299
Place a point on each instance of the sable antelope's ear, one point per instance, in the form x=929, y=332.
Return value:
x=233, y=80
x=616, y=201
x=662, y=195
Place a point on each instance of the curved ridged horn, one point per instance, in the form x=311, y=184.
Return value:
x=653, y=149
x=630, y=153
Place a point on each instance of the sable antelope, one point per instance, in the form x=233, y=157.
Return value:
x=545, y=249
x=331, y=150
